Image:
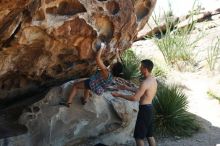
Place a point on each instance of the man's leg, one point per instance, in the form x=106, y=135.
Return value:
x=139, y=142
x=76, y=86
x=151, y=141
x=85, y=98
x=140, y=130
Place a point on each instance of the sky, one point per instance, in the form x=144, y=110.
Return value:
x=181, y=7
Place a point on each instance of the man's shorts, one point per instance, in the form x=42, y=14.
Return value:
x=86, y=83
x=144, y=123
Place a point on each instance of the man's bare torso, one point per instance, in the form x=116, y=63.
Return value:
x=151, y=88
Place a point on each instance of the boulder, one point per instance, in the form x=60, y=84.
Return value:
x=45, y=43
x=104, y=119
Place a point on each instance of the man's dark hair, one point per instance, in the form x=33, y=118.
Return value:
x=117, y=69
x=147, y=64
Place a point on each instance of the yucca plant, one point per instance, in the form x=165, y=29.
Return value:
x=171, y=116
x=131, y=65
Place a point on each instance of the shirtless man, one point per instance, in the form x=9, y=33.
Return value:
x=144, y=94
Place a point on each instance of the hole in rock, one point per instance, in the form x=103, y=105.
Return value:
x=36, y=109
x=67, y=8
x=57, y=69
x=100, y=9
x=113, y=7
x=142, y=10
x=105, y=28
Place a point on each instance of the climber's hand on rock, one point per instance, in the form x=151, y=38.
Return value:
x=103, y=46
x=122, y=87
x=115, y=94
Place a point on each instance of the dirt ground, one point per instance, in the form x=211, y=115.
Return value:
x=205, y=108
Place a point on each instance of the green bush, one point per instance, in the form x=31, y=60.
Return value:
x=159, y=71
x=213, y=94
x=171, y=117
x=175, y=43
x=213, y=54
x=174, y=47
x=131, y=64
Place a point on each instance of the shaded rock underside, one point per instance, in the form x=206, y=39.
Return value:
x=44, y=42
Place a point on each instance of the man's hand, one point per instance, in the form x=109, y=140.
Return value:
x=104, y=70
x=115, y=94
x=103, y=46
x=122, y=87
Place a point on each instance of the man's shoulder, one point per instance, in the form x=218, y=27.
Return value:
x=150, y=80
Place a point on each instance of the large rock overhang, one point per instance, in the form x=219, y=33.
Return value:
x=44, y=43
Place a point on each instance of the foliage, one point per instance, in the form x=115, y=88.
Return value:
x=213, y=54
x=213, y=95
x=175, y=43
x=131, y=64
x=171, y=117
x=176, y=46
x=159, y=71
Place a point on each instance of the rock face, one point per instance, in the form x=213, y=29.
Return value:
x=42, y=41
x=104, y=119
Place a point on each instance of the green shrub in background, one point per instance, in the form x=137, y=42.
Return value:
x=158, y=71
x=171, y=117
x=131, y=64
x=175, y=47
x=213, y=94
x=213, y=54
x=175, y=43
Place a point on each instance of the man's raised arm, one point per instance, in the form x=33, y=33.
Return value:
x=99, y=62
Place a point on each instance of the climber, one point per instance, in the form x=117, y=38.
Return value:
x=98, y=82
